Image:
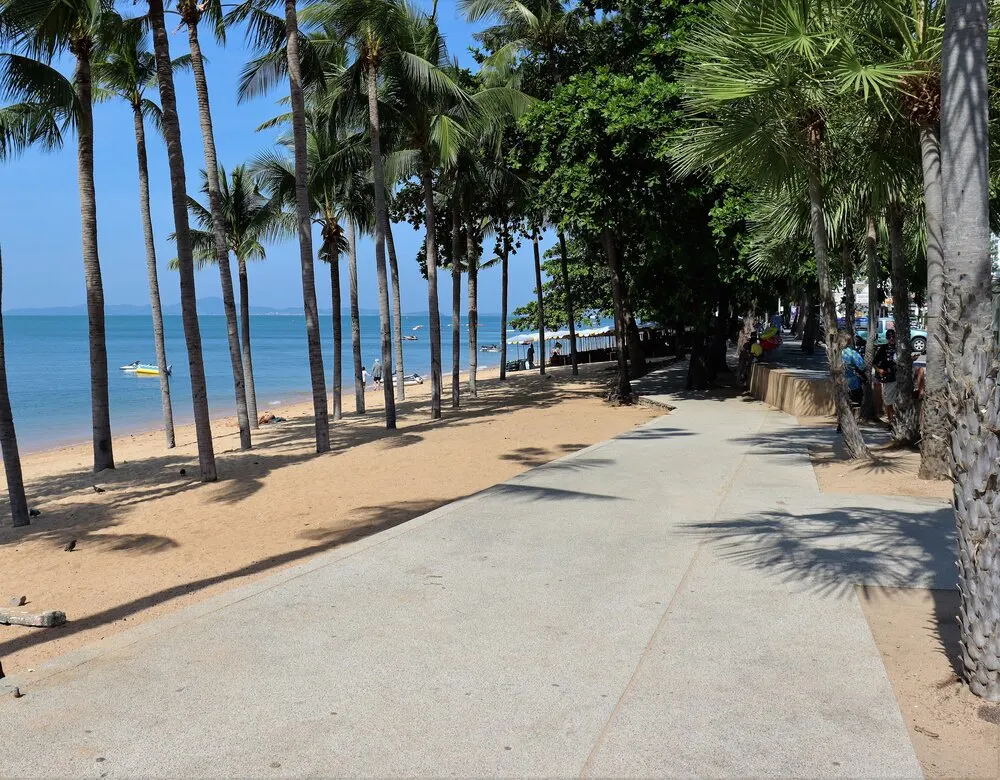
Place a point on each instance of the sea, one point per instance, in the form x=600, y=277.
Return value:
x=49, y=376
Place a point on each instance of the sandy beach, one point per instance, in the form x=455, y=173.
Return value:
x=155, y=539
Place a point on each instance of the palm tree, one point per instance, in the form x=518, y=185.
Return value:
x=182, y=233
x=125, y=71
x=397, y=312
x=457, y=253
x=352, y=268
x=249, y=220
x=765, y=80
x=8, y=439
x=339, y=197
x=972, y=366
x=45, y=29
x=191, y=13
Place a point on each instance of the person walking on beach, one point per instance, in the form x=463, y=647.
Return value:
x=364, y=379
x=885, y=372
x=531, y=356
x=377, y=373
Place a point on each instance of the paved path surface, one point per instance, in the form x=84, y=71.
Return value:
x=675, y=602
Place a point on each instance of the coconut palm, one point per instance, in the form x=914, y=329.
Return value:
x=182, y=233
x=250, y=219
x=972, y=366
x=340, y=197
x=191, y=13
x=764, y=85
x=8, y=439
x=44, y=29
x=125, y=70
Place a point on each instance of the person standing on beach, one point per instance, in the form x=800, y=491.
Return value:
x=885, y=372
x=531, y=356
x=377, y=373
x=364, y=379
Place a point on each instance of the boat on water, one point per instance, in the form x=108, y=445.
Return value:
x=489, y=348
x=410, y=338
x=139, y=368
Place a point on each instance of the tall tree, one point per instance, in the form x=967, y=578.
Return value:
x=125, y=70
x=182, y=231
x=191, y=13
x=44, y=29
x=8, y=438
x=971, y=361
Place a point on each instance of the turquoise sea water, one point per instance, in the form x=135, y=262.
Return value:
x=49, y=376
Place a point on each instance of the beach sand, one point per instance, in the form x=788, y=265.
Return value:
x=155, y=540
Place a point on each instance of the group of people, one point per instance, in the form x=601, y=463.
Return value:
x=884, y=366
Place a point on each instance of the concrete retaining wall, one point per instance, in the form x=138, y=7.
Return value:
x=792, y=391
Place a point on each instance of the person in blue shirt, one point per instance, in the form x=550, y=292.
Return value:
x=854, y=368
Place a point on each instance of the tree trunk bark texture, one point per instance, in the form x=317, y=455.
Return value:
x=338, y=337
x=8, y=439
x=219, y=233
x=504, y=260
x=906, y=421
x=541, y=303
x=152, y=277
x=568, y=294
x=303, y=212
x=385, y=323
x=868, y=410
x=397, y=312
x=473, y=264
x=433, y=312
x=182, y=232
x=251, y=386
x=456, y=303
x=623, y=390
x=855, y=443
x=99, y=405
x=352, y=269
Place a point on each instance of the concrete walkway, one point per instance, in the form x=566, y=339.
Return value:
x=675, y=602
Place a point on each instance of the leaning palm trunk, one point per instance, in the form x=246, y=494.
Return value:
x=397, y=313
x=568, y=294
x=8, y=439
x=303, y=212
x=456, y=304
x=427, y=184
x=855, y=443
x=100, y=407
x=385, y=325
x=182, y=232
x=251, y=386
x=473, y=264
x=219, y=229
x=503, y=312
x=352, y=269
x=541, y=305
x=971, y=354
x=623, y=391
x=935, y=455
x=906, y=422
x=154, y=282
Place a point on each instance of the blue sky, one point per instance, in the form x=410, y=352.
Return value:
x=40, y=223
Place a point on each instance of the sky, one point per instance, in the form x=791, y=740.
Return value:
x=40, y=218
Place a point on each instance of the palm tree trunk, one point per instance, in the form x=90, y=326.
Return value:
x=251, y=386
x=503, y=311
x=385, y=324
x=935, y=447
x=99, y=405
x=182, y=233
x=219, y=232
x=304, y=214
x=853, y=440
x=338, y=335
x=8, y=439
x=850, y=304
x=636, y=358
x=397, y=313
x=906, y=423
x=970, y=356
x=151, y=274
x=427, y=183
x=456, y=303
x=352, y=268
x=868, y=410
x=623, y=392
x=568, y=295
x=473, y=265
x=541, y=306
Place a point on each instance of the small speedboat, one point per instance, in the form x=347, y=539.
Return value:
x=413, y=379
x=410, y=338
x=139, y=368
x=489, y=348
